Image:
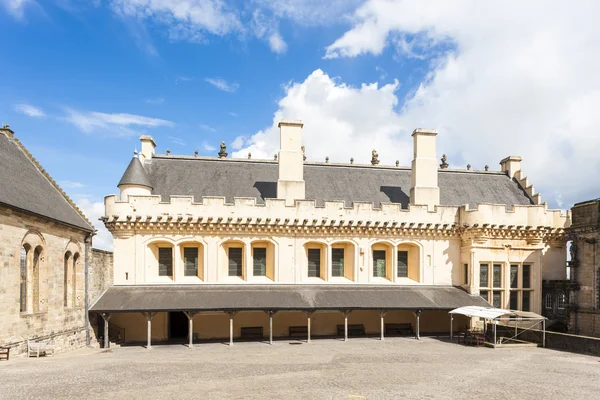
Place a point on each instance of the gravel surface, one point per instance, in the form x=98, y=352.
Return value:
x=324, y=369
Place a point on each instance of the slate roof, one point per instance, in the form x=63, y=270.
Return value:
x=25, y=186
x=135, y=174
x=203, y=176
x=282, y=297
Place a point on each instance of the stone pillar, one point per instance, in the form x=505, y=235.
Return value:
x=149, y=316
x=346, y=313
x=106, y=318
x=308, y=315
x=382, y=316
x=190, y=316
x=418, y=331
x=271, y=313
x=231, y=315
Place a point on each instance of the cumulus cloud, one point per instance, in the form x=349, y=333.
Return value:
x=118, y=124
x=223, y=85
x=94, y=210
x=16, y=8
x=71, y=184
x=30, y=110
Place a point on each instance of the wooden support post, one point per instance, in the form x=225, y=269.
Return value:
x=308, y=316
x=544, y=332
x=149, y=316
x=418, y=333
x=346, y=312
x=382, y=316
x=190, y=316
x=271, y=313
x=231, y=315
x=106, y=318
x=451, y=319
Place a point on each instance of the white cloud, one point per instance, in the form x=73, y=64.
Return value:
x=16, y=8
x=118, y=124
x=276, y=43
x=94, y=210
x=223, y=85
x=182, y=78
x=177, y=140
x=207, y=128
x=208, y=147
x=505, y=78
x=155, y=100
x=30, y=110
x=71, y=184
x=232, y=114
x=238, y=143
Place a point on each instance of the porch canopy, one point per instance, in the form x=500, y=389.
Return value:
x=496, y=313
x=232, y=297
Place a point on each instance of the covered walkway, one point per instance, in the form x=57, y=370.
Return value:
x=271, y=299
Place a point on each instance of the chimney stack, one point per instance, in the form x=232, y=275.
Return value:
x=510, y=165
x=424, y=190
x=148, y=146
x=290, y=184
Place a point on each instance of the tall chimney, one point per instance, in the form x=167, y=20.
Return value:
x=290, y=184
x=148, y=146
x=424, y=190
x=510, y=165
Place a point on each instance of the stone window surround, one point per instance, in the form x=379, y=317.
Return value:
x=33, y=241
x=178, y=261
x=505, y=288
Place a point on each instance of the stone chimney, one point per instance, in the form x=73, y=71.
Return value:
x=148, y=146
x=424, y=190
x=5, y=129
x=510, y=165
x=290, y=183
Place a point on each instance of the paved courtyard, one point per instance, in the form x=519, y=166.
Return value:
x=324, y=369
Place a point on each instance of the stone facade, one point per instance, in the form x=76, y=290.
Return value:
x=585, y=268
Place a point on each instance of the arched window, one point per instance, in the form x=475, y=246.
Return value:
x=35, y=295
x=560, y=301
x=74, y=280
x=66, y=280
x=548, y=300
x=23, y=281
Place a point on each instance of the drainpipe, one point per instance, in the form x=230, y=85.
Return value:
x=88, y=242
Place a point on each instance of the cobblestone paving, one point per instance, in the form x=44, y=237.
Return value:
x=324, y=369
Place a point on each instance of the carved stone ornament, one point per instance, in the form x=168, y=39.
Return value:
x=374, y=158
x=468, y=167
x=487, y=167
x=223, y=151
x=444, y=163
x=573, y=251
x=352, y=161
x=249, y=156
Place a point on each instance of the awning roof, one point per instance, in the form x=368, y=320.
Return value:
x=281, y=297
x=494, y=313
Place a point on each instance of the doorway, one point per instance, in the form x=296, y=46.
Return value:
x=178, y=325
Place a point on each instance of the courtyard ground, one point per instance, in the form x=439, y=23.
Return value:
x=324, y=369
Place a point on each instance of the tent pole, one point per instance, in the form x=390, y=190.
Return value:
x=543, y=333
x=494, y=321
x=451, y=318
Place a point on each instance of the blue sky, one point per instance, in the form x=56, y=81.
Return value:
x=80, y=81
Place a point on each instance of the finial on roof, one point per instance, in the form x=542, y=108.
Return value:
x=5, y=126
x=275, y=157
x=135, y=152
x=249, y=156
x=468, y=167
x=303, y=153
x=374, y=158
x=444, y=163
x=223, y=152
x=352, y=161
x=397, y=163
x=326, y=159
x=195, y=153
x=168, y=151
x=487, y=167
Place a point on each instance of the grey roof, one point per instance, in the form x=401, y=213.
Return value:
x=135, y=175
x=282, y=297
x=351, y=183
x=25, y=186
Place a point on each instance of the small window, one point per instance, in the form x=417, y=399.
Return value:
x=165, y=261
x=235, y=261
x=379, y=262
x=314, y=263
x=514, y=300
x=526, y=276
x=548, y=300
x=497, y=299
x=466, y=274
x=190, y=261
x=259, y=255
x=23, y=285
x=497, y=278
x=560, y=301
x=484, y=295
x=483, y=275
x=526, y=306
x=337, y=262
x=403, y=264
x=514, y=276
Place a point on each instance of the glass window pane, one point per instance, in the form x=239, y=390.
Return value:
x=526, y=276
x=526, y=306
x=314, y=263
x=190, y=261
x=403, y=264
x=514, y=300
x=466, y=274
x=260, y=261
x=484, y=295
x=379, y=263
x=548, y=300
x=514, y=276
x=497, y=299
x=165, y=261
x=235, y=261
x=23, y=286
x=497, y=281
x=483, y=275
x=337, y=262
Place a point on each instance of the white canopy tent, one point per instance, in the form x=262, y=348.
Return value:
x=498, y=314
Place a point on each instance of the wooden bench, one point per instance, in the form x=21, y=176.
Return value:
x=37, y=349
x=399, y=329
x=353, y=330
x=4, y=353
x=298, y=330
x=252, y=332
x=474, y=339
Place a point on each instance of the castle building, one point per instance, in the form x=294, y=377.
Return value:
x=46, y=256
x=210, y=248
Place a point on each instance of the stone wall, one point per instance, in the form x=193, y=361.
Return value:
x=565, y=342
x=46, y=317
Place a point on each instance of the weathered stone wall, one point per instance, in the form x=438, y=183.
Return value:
x=565, y=341
x=47, y=318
